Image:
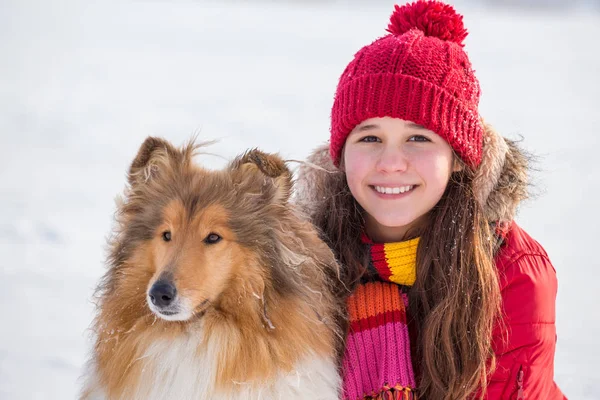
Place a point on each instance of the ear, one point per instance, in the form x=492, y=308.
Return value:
x=146, y=165
x=270, y=166
x=457, y=164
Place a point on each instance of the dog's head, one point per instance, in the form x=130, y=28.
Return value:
x=191, y=233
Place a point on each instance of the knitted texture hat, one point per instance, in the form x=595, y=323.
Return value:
x=420, y=73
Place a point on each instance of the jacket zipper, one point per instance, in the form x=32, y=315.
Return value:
x=520, y=394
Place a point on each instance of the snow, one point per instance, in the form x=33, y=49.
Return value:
x=83, y=83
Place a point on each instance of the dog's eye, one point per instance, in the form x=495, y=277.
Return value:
x=212, y=238
x=166, y=236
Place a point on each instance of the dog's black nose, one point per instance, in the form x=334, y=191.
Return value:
x=162, y=293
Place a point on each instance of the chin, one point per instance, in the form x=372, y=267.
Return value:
x=393, y=224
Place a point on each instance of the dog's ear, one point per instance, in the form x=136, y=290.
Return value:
x=152, y=153
x=270, y=166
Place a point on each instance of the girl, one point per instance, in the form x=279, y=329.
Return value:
x=450, y=299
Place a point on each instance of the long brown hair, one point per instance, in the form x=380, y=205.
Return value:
x=455, y=300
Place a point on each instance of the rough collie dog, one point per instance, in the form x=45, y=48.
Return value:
x=216, y=288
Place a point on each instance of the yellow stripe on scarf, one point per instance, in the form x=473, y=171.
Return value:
x=401, y=258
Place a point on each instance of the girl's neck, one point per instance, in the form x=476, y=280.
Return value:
x=390, y=234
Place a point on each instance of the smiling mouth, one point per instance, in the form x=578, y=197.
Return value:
x=393, y=190
x=168, y=313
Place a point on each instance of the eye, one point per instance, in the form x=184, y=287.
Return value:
x=370, y=139
x=419, y=138
x=212, y=238
x=166, y=235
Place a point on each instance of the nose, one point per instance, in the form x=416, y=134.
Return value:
x=162, y=293
x=392, y=159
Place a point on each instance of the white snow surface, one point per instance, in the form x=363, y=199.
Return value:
x=83, y=83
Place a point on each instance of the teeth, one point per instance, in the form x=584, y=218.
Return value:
x=393, y=190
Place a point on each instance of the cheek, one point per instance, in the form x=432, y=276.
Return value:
x=439, y=172
x=356, y=166
x=434, y=168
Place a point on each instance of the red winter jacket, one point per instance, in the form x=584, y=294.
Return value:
x=525, y=354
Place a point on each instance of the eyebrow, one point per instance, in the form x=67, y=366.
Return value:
x=415, y=126
x=369, y=127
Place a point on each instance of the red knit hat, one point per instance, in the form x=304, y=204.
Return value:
x=420, y=73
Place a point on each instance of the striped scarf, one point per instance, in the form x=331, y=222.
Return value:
x=377, y=362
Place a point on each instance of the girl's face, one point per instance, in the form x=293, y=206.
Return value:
x=397, y=171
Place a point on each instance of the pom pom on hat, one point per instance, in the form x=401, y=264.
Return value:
x=431, y=17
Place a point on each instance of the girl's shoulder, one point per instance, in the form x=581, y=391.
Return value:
x=517, y=244
x=521, y=258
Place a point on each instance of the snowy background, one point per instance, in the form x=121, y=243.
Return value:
x=82, y=84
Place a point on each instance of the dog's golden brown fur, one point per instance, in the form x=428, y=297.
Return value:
x=254, y=283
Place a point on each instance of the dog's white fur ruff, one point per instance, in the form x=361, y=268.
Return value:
x=177, y=369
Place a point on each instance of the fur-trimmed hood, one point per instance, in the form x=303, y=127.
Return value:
x=500, y=184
